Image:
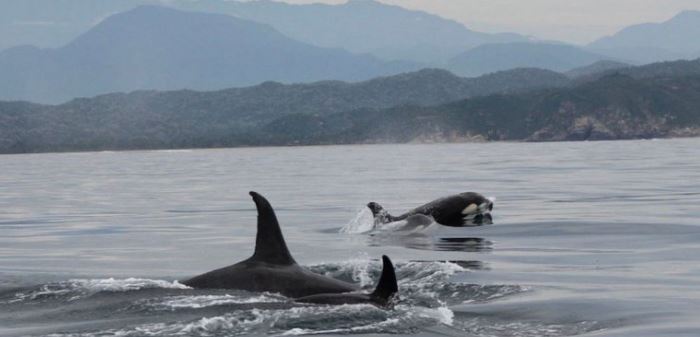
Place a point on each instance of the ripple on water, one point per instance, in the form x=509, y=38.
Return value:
x=489, y=327
x=425, y=296
x=203, y=301
x=75, y=289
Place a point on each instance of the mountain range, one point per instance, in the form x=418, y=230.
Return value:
x=489, y=58
x=364, y=26
x=596, y=68
x=674, y=39
x=230, y=73
x=359, y=26
x=612, y=107
x=153, y=119
x=656, y=100
x=152, y=47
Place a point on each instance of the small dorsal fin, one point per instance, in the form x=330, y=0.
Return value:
x=269, y=242
x=387, y=285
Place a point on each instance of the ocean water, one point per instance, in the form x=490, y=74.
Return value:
x=588, y=239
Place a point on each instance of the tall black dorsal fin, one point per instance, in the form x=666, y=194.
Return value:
x=269, y=242
x=387, y=285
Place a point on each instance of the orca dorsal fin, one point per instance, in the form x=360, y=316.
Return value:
x=387, y=286
x=269, y=242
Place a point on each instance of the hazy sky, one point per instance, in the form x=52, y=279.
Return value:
x=578, y=21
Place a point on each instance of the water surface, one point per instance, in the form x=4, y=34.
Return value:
x=589, y=238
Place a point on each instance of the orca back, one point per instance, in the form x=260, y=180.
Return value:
x=271, y=268
x=386, y=288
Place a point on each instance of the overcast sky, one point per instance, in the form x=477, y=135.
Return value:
x=578, y=21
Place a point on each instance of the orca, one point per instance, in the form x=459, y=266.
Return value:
x=271, y=268
x=464, y=209
x=382, y=295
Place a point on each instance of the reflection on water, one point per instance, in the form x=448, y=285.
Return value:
x=466, y=264
x=463, y=244
x=430, y=242
x=422, y=232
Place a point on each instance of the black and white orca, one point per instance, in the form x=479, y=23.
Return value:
x=465, y=209
x=272, y=269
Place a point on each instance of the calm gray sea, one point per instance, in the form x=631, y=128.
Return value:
x=589, y=238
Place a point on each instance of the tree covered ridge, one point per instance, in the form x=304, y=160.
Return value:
x=424, y=106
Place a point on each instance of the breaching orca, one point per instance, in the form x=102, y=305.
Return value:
x=382, y=294
x=465, y=209
x=271, y=268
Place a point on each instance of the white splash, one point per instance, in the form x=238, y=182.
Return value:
x=429, y=273
x=363, y=222
x=446, y=316
x=223, y=323
x=361, y=270
x=129, y=284
x=203, y=301
x=78, y=288
x=358, y=268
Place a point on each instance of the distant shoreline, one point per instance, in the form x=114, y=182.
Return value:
x=339, y=145
x=428, y=106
